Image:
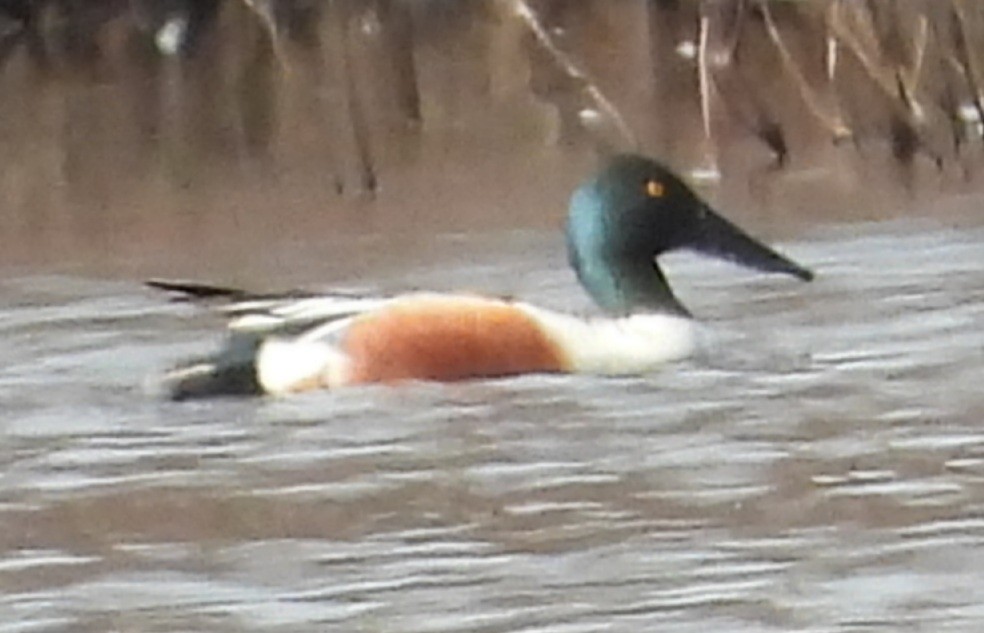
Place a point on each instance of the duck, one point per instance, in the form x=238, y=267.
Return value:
x=620, y=221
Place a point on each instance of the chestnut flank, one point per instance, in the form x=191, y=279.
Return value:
x=448, y=339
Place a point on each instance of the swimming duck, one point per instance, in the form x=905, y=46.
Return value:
x=620, y=221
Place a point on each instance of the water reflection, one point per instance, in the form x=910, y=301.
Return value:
x=817, y=468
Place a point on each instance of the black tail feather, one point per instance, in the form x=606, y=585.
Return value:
x=193, y=290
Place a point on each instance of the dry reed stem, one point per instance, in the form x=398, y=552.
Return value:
x=360, y=127
x=966, y=59
x=705, y=87
x=830, y=61
x=522, y=9
x=859, y=36
x=264, y=12
x=908, y=82
x=834, y=124
x=350, y=148
x=703, y=75
x=922, y=40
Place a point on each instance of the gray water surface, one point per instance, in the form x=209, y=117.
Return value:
x=818, y=467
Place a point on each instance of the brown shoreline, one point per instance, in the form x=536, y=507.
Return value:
x=378, y=117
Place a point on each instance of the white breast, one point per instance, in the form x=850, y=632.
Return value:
x=626, y=345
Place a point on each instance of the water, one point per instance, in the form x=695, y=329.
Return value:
x=819, y=467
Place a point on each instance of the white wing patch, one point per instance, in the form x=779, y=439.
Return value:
x=287, y=366
x=316, y=311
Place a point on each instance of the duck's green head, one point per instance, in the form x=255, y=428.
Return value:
x=634, y=210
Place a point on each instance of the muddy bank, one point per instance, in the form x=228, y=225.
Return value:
x=138, y=128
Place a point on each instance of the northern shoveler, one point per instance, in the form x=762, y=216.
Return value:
x=619, y=222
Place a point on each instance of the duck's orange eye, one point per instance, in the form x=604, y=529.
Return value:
x=654, y=188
